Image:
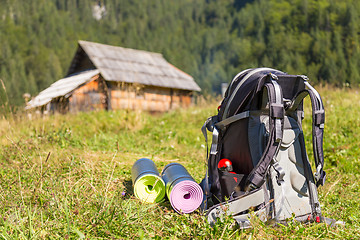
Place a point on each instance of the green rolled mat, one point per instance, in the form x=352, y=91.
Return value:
x=148, y=185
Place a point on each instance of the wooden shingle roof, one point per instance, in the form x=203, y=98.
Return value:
x=61, y=88
x=135, y=66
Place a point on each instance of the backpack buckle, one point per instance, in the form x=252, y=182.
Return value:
x=250, y=187
x=320, y=178
x=280, y=173
x=277, y=110
x=273, y=76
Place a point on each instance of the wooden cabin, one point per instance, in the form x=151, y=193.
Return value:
x=109, y=77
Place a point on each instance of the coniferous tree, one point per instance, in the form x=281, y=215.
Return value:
x=210, y=40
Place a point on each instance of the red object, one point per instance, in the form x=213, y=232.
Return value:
x=235, y=178
x=309, y=217
x=225, y=165
x=219, y=107
x=317, y=219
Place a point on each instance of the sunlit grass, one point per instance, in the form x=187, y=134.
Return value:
x=69, y=176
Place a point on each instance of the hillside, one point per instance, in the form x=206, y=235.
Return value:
x=211, y=40
x=69, y=176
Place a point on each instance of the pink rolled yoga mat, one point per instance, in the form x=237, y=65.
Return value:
x=184, y=194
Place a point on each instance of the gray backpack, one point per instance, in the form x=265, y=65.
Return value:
x=257, y=161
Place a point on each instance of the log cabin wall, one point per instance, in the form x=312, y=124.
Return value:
x=98, y=94
x=91, y=96
x=148, y=98
x=59, y=105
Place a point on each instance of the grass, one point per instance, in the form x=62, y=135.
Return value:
x=69, y=176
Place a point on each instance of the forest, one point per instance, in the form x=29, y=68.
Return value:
x=211, y=40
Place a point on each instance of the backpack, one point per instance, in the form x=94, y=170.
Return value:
x=257, y=160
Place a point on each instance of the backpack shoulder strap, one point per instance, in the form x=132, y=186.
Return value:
x=318, y=123
x=256, y=177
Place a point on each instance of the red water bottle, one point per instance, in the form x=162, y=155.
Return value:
x=225, y=165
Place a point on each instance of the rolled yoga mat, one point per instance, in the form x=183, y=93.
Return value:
x=148, y=185
x=185, y=195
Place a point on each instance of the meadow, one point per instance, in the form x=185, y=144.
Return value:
x=69, y=176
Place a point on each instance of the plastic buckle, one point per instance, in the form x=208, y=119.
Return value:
x=320, y=179
x=273, y=76
x=280, y=173
x=250, y=187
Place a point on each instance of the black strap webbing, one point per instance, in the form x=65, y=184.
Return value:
x=208, y=125
x=318, y=121
x=256, y=177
